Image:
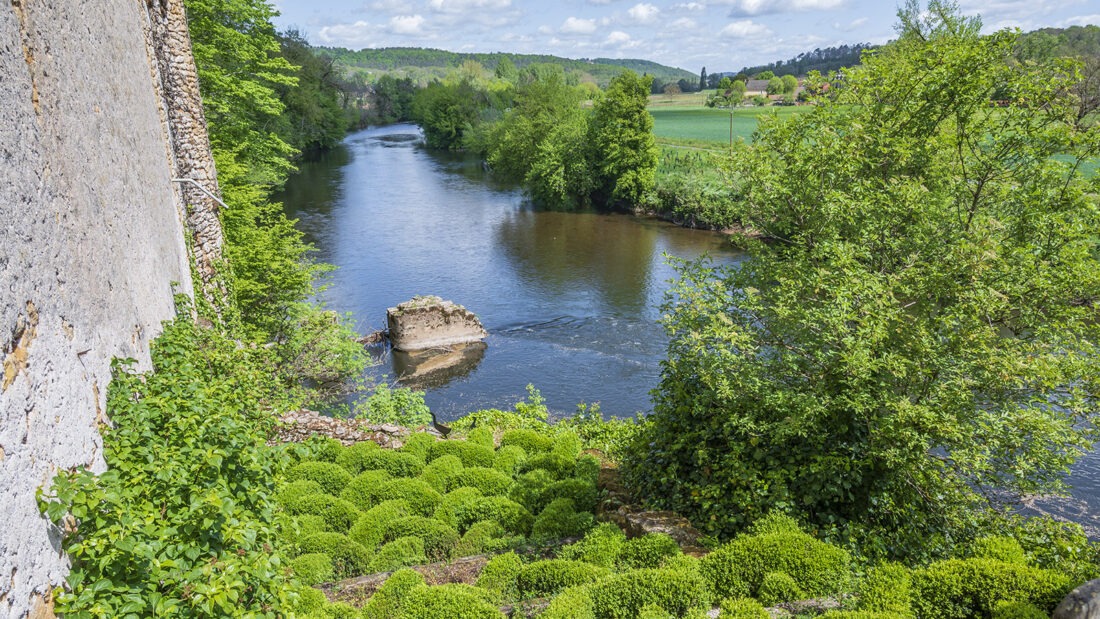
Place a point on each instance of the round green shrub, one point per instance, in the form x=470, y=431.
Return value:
x=439, y=471
x=455, y=504
x=778, y=587
x=530, y=441
x=559, y=466
x=310, y=601
x=396, y=463
x=509, y=459
x=887, y=588
x=401, y=552
x=649, y=550
x=1018, y=610
x=545, y=578
x=511, y=515
x=313, y=568
x=652, y=611
x=439, y=538
x=959, y=588
x=418, y=444
x=290, y=493
x=350, y=457
x=385, y=602
x=863, y=614
x=349, y=558
x=331, y=476
x=999, y=547
x=293, y=528
x=601, y=546
x=584, y=494
x=471, y=454
x=318, y=448
x=499, y=575
x=481, y=436
x=422, y=498
x=737, y=568
x=742, y=608
x=489, y=481
x=370, y=528
x=560, y=519
x=571, y=603
x=447, y=602
x=529, y=488
x=362, y=490
x=341, y=610
x=623, y=595
x=486, y=536
x=338, y=514
x=775, y=522
x=566, y=443
x=587, y=468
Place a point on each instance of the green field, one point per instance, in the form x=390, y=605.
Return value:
x=712, y=125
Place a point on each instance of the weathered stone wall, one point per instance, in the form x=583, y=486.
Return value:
x=92, y=242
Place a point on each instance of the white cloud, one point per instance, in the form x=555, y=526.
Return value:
x=1083, y=20
x=407, y=24
x=617, y=37
x=744, y=28
x=463, y=6
x=684, y=23
x=689, y=6
x=850, y=26
x=643, y=13
x=358, y=34
x=574, y=25
x=766, y=7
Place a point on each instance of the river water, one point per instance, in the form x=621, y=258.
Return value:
x=570, y=300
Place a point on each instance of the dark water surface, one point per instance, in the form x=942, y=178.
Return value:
x=570, y=300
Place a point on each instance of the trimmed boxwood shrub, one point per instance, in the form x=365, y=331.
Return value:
x=742, y=608
x=509, y=459
x=310, y=602
x=511, y=515
x=471, y=454
x=349, y=558
x=649, y=550
x=439, y=538
x=651, y=611
x=385, y=602
x=529, y=489
x=778, y=587
x=587, y=468
x=737, y=568
x=1000, y=548
x=973, y=587
x=350, y=457
x=362, y=490
x=566, y=443
x=481, y=436
x=583, y=494
x=422, y=498
x=572, y=603
x=1018, y=610
x=601, y=546
x=486, y=536
x=317, y=447
x=455, y=504
x=559, y=466
x=289, y=494
x=489, y=481
x=396, y=463
x=419, y=444
x=499, y=575
x=887, y=588
x=338, y=514
x=331, y=476
x=371, y=526
x=401, y=552
x=545, y=578
x=622, y=596
x=560, y=519
x=451, y=601
x=439, y=471
x=313, y=568
x=530, y=441
x=863, y=614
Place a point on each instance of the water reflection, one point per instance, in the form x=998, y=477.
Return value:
x=435, y=368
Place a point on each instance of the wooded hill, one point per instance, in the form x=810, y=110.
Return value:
x=422, y=63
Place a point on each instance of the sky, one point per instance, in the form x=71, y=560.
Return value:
x=721, y=35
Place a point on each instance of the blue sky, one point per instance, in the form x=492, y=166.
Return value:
x=722, y=35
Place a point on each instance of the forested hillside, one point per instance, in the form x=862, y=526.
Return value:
x=821, y=60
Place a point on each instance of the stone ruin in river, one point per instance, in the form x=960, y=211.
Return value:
x=435, y=341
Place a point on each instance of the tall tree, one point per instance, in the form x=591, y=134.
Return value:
x=703, y=79
x=918, y=339
x=621, y=132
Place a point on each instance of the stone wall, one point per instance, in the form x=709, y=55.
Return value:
x=92, y=240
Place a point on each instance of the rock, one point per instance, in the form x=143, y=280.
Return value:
x=1081, y=603
x=298, y=426
x=431, y=322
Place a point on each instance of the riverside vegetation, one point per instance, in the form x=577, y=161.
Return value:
x=848, y=415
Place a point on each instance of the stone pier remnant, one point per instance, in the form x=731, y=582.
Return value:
x=430, y=322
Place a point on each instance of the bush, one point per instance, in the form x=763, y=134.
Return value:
x=349, y=558
x=863, y=614
x=439, y=471
x=623, y=595
x=471, y=454
x=447, y=602
x=455, y=504
x=419, y=444
x=422, y=498
x=587, y=468
x=439, y=538
x=371, y=526
x=351, y=456
x=289, y=494
x=998, y=547
x=509, y=459
x=742, y=608
x=386, y=602
x=401, y=552
x=775, y=522
x=511, y=515
x=311, y=569
x=1018, y=610
x=400, y=406
x=584, y=494
x=529, y=488
x=337, y=514
x=572, y=603
x=737, y=568
x=362, y=490
x=316, y=448
x=545, y=578
x=499, y=575
x=489, y=481
x=307, y=524
x=778, y=587
x=486, y=536
x=649, y=550
x=601, y=546
x=357, y=459
x=887, y=588
x=311, y=602
x=651, y=611
x=973, y=587
x=560, y=519
x=530, y=441
x=481, y=436
x=566, y=443
x=557, y=464
x=331, y=476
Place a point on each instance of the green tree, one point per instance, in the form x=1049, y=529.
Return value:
x=724, y=84
x=790, y=84
x=737, y=92
x=446, y=111
x=765, y=75
x=506, y=70
x=703, y=79
x=775, y=86
x=313, y=118
x=621, y=132
x=917, y=340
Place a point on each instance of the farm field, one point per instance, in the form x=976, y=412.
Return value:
x=709, y=124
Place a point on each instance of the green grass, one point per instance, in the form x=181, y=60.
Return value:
x=709, y=125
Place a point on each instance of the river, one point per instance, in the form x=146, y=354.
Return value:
x=571, y=300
